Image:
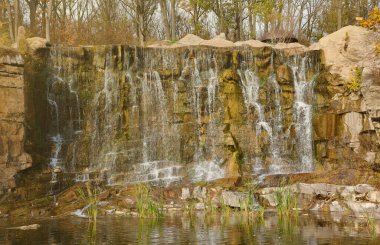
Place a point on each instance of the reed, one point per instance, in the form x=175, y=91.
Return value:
x=371, y=225
x=90, y=196
x=286, y=201
x=146, y=206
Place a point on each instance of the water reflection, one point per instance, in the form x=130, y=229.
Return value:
x=181, y=228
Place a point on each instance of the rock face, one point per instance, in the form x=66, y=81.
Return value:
x=192, y=113
x=12, y=118
x=346, y=122
x=198, y=109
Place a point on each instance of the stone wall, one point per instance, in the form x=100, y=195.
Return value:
x=12, y=118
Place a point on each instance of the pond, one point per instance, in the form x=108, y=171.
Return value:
x=179, y=228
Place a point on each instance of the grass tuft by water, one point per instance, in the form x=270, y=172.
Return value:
x=90, y=196
x=286, y=202
x=146, y=206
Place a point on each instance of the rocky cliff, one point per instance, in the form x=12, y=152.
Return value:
x=203, y=109
x=346, y=122
x=12, y=118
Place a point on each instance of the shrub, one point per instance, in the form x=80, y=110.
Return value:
x=372, y=23
x=354, y=83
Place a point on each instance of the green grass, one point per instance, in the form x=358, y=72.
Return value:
x=146, y=206
x=225, y=209
x=286, y=201
x=371, y=225
x=91, y=198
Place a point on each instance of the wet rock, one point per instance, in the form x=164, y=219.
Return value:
x=348, y=193
x=111, y=211
x=199, y=206
x=362, y=208
x=268, y=200
x=234, y=199
x=336, y=207
x=283, y=74
x=200, y=193
x=320, y=189
x=373, y=196
x=26, y=227
x=104, y=195
x=363, y=188
x=120, y=213
x=185, y=193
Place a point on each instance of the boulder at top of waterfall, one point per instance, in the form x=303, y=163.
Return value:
x=161, y=44
x=218, y=42
x=252, y=43
x=347, y=48
x=190, y=40
x=35, y=43
x=290, y=49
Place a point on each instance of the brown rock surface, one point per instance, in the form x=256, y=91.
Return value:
x=12, y=155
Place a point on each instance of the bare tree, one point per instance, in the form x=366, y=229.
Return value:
x=10, y=22
x=141, y=13
x=48, y=18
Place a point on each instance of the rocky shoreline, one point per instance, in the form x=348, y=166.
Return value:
x=361, y=201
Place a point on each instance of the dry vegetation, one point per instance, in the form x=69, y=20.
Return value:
x=136, y=21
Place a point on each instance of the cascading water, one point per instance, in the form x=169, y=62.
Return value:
x=66, y=120
x=149, y=115
x=207, y=165
x=281, y=161
x=303, y=112
x=251, y=87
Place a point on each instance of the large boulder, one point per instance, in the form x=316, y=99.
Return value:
x=35, y=43
x=348, y=48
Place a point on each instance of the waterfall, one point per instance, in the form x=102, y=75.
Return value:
x=251, y=88
x=273, y=125
x=60, y=89
x=151, y=115
x=303, y=112
x=205, y=89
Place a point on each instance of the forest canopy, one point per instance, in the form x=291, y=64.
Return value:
x=144, y=21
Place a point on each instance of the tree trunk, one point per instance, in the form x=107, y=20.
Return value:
x=48, y=18
x=164, y=12
x=266, y=25
x=32, y=15
x=252, y=21
x=140, y=22
x=300, y=17
x=173, y=19
x=10, y=21
x=16, y=21
x=339, y=15
x=240, y=20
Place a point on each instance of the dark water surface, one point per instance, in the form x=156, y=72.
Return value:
x=198, y=229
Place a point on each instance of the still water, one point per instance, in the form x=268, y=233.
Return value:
x=232, y=229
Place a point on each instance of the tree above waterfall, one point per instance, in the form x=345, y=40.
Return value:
x=138, y=22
